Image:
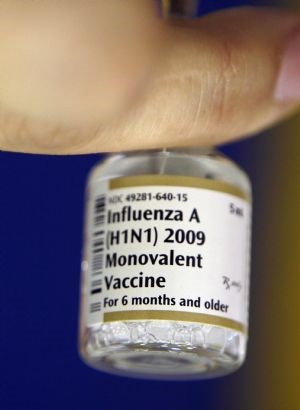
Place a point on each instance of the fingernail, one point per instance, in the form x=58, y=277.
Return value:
x=288, y=83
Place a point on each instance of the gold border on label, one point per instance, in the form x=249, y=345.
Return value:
x=175, y=315
x=178, y=181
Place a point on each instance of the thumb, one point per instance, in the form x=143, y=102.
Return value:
x=224, y=76
x=227, y=75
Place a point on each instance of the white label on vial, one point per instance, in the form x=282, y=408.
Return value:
x=167, y=248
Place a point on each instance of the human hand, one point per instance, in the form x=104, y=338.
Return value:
x=95, y=76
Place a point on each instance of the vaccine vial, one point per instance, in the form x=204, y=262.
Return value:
x=165, y=271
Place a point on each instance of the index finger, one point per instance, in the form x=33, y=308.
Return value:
x=71, y=66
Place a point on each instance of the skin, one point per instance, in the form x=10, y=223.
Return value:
x=81, y=77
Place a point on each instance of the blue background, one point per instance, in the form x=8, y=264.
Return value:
x=41, y=206
x=41, y=238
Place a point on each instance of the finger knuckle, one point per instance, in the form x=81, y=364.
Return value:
x=225, y=83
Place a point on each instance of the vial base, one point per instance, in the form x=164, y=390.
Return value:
x=163, y=349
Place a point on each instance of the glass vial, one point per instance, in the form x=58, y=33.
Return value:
x=165, y=276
